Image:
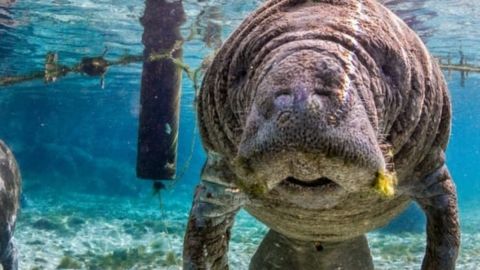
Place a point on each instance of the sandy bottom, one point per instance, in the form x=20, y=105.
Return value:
x=95, y=232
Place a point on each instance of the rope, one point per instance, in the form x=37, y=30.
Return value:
x=97, y=66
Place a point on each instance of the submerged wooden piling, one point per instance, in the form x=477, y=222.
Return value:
x=160, y=91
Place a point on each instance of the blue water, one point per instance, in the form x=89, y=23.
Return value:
x=76, y=142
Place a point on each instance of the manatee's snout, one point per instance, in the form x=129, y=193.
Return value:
x=296, y=105
x=307, y=127
x=304, y=86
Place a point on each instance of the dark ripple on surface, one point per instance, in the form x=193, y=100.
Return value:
x=446, y=26
x=415, y=14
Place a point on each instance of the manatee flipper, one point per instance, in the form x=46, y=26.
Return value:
x=211, y=219
x=9, y=259
x=277, y=252
x=438, y=199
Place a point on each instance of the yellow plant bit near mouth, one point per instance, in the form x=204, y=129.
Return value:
x=385, y=183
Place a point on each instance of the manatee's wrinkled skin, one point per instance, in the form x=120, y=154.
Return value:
x=9, y=204
x=303, y=107
x=6, y=3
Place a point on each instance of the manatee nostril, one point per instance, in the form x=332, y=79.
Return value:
x=283, y=99
x=324, y=92
x=283, y=92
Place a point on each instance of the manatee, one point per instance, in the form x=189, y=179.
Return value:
x=324, y=120
x=6, y=3
x=9, y=204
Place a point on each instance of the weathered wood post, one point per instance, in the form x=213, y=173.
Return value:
x=160, y=91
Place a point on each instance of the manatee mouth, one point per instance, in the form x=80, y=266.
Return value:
x=323, y=183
